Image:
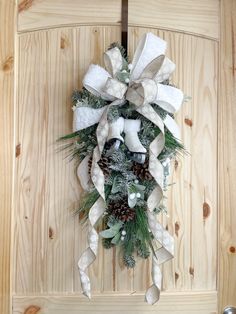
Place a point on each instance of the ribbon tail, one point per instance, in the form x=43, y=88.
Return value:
x=172, y=126
x=89, y=255
x=153, y=292
x=99, y=207
x=163, y=239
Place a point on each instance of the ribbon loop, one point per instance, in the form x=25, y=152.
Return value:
x=149, y=48
x=167, y=68
x=94, y=81
x=115, y=88
x=153, y=67
x=113, y=61
x=169, y=98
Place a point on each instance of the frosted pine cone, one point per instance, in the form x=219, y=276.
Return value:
x=103, y=163
x=141, y=171
x=121, y=211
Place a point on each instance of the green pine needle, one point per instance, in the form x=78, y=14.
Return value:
x=88, y=200
x=137, y=231
x=87, y=99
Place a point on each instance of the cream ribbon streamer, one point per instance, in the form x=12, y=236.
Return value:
x=89, y=255
x=97, y=210
x=150, y=68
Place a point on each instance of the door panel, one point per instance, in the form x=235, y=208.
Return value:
x=187, y=16
x=54, y=44
x=192, y=200
x=48, y=237
x=34, y=15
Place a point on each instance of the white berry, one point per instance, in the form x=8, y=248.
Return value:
x=130, y=66
x=127, y=80
x=132, y=196
x=122, y=238
x=136, y=181
x=138, y=195
x=123, y=232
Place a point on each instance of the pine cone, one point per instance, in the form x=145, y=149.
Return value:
x=103, y=163
x=121, y=211
x=90, y=161
x=141, y=171
x=129, y=261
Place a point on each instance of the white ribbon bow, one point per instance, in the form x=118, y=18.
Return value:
x=150, y=67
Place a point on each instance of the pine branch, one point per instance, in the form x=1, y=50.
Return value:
x=88, y=200
x=137, y=236
x=85, y=142
x=87, y=99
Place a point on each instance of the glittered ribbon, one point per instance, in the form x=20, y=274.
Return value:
x=149, y=68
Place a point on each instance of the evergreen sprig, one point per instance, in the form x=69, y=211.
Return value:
x=87, y=99
x=138, y=236
x=84, y=142
x=88, y=200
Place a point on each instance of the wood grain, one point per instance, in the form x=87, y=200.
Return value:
x=38, y=14
x=194, y=265
x=6, y=150
x=227, y=154
x=188, y=16
x=188, y=303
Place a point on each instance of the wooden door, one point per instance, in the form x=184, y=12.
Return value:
x=48, y=46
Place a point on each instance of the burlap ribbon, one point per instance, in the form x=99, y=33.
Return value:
x=149, y=68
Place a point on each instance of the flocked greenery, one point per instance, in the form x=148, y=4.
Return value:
x=133, y=236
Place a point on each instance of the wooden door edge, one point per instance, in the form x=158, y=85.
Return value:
x=227, y=156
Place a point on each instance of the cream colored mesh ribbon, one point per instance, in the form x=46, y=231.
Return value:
x=150, y=67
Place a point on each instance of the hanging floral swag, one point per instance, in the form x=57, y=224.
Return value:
x=125, y=137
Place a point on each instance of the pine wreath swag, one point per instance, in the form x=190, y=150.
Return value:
x=125, y=137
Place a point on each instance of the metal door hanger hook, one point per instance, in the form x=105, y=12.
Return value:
x=229, y=310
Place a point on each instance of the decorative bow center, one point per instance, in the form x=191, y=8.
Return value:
x=142, y=92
